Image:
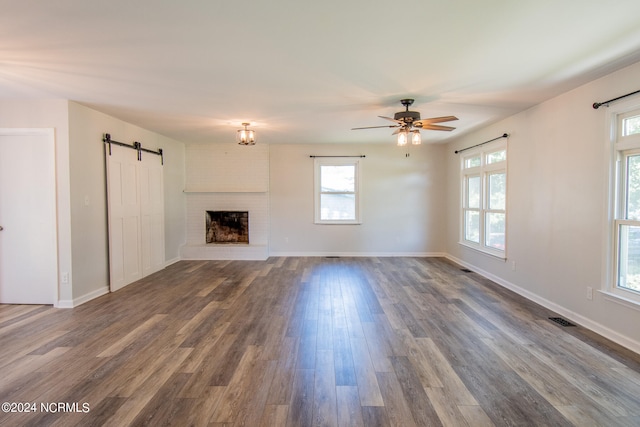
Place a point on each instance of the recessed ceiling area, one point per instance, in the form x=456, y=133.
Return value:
x=308, y=72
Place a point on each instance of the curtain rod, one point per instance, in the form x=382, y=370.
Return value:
x=597, y=105
x=504, y=135
x=136, y=146
x=313, y=157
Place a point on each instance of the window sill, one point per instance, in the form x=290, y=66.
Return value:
x=337, y=222
x=619, y=299
x=494, y=254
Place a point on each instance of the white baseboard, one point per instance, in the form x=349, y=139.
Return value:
x=570, y=315
x=81, y=300
x=171, y=261
x=357, y=254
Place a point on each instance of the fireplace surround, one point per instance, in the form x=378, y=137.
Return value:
x=198, y=203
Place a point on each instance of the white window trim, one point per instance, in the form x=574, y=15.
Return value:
x=483, y=170
x=340, y=161
x=616, y=147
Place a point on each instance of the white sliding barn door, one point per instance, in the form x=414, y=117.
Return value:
x=136, y=215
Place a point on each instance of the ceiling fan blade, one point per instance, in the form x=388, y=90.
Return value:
x=375, y=127
x=393, y=120
x=428, y=126
x=437, y=119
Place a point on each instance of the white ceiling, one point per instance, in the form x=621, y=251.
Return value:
x=308, y=71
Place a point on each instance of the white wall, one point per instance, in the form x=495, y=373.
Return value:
x=89, y=221
x=402, y=202
x=557, y=189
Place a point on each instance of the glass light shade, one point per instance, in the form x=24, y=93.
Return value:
x=416, y=139
x=403, y=136
x=246, y=136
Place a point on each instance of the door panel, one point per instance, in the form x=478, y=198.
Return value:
x=124, y=217
x=28, y=240
x=152, y=212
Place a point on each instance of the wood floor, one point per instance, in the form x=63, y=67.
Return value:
x=311, y=341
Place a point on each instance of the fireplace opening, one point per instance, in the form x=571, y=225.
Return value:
x=227, y=227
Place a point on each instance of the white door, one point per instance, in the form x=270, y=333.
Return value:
x=28, y=239
x=136, y=215
x=124, y=217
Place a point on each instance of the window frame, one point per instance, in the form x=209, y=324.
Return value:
x=483, y=170
x=337, y=161
x=622, y=147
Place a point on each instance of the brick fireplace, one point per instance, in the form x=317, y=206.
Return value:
x=229, y=179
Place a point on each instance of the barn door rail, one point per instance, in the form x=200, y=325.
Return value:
x=136, y=146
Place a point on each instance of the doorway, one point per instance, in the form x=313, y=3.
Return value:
x=28, y=238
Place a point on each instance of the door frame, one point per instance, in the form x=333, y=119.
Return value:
x=49, y=133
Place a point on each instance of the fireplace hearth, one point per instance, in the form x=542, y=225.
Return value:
x=227, y=227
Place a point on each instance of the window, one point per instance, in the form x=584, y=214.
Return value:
x=337, y=191
x=626, y=222
x=484, y=199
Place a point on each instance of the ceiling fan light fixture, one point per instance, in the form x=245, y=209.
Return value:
x=416, y=138
x=403, y=138
x=246, y=136
x=409, y=122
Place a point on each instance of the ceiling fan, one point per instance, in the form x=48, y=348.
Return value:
x=409, y=122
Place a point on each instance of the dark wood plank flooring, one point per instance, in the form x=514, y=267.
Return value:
x=312, y=341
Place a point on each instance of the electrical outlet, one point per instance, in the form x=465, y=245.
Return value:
x=589, y=293
x=513, y=266
x=65, y=277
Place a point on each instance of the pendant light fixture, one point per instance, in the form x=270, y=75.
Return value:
x=416, y=138
x=246, y=136
x=404, y=134
x=403, y=137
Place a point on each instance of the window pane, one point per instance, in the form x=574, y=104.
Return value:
x=472, y=162
x=337, y=178
x=629, y=257
x=472, y=226
x=497, y=191
x=473, y=192
x=632, y=207
x=498, y=156
x=495, y=230
x=337, y=207
x=631, y=125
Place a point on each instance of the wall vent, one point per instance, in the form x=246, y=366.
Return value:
x=560, y=321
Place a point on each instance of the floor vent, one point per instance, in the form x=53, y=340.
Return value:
x=466, y=270
x=560, y=321
x=332, y=256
